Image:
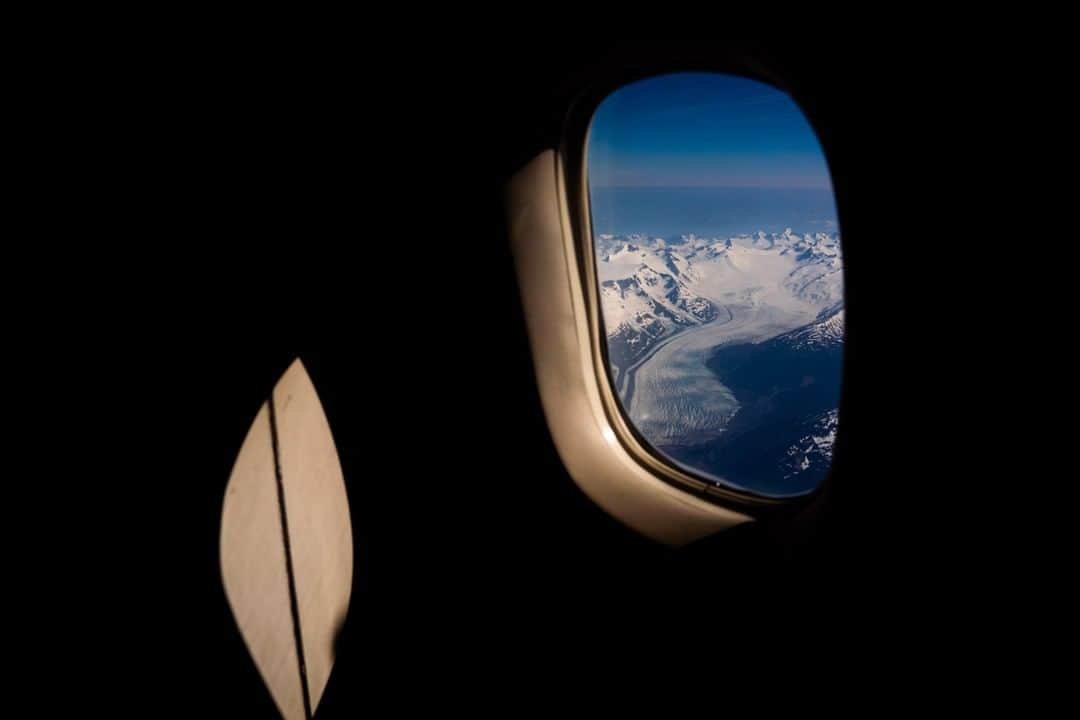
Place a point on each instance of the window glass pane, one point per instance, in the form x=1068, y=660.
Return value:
x=719, y=269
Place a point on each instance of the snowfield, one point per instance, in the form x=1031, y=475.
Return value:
x=667, y=305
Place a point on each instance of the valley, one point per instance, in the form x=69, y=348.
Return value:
x=671, y=307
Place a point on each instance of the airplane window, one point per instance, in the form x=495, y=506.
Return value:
x=718, y=264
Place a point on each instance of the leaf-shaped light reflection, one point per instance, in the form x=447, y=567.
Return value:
x=286, y=544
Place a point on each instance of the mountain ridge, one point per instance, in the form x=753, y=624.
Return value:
x=652, y=288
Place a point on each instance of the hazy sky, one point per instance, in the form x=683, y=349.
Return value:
x=698, y=129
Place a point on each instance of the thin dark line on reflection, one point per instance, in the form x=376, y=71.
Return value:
x=293, y=605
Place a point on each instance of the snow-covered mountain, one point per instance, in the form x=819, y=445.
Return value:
x=652, y=299
x=651, y=289
x=825, y=333
x=815, y=449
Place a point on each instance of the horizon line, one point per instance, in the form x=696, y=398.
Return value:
x=618, y=186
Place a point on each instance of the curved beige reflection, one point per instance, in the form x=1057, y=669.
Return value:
x=253, y=554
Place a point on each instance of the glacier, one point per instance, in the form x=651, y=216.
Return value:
x=668, y=305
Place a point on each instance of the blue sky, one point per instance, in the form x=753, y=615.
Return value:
x=703, y=130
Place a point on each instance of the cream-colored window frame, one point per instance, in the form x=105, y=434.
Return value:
x=591, y=436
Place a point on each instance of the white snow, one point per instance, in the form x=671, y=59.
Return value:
x=818, y=445
x=794, y=277
x=667, y=305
